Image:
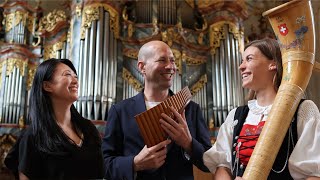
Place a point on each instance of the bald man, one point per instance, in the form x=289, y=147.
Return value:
x=125, y=154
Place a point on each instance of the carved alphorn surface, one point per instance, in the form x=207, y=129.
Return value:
x=148, y=121
x=293, y=25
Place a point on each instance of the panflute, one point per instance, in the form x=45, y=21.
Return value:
x=148, y=121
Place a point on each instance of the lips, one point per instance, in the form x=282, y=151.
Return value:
x=168, y=75
x=73, y=88
x=245, y=75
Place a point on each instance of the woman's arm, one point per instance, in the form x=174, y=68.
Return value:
x=22, y=176
x=313, y=178
x=223, y=173
x=304, y=160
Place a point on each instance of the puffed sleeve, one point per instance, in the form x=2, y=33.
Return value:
x=219, y=155
x=305, y=158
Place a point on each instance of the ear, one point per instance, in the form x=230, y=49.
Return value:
x=46, y=86
x=141, y=66
x=272, y=66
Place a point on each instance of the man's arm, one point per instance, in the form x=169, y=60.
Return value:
x=151, y=158
x=117, y=165
x=200, y=136
x=178, y=130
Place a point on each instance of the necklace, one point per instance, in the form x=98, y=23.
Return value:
x=80, y=143
x=70, y=139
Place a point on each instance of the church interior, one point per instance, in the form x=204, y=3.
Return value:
x=102, y=39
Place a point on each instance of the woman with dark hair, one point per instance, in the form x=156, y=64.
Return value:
x=261, y=71
x=60, y=143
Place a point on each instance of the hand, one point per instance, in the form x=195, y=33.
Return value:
x=238, y=178
x=177, y=130
x=151, y=158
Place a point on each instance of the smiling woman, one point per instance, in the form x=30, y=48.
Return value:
x=64, y=85
x=261, y=71
x=60, y=143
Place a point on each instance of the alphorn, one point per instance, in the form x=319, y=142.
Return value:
x=293, y=25
x=148, y=121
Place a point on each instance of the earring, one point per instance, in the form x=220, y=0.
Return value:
x=272, y=68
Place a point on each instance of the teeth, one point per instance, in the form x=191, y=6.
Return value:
x=244, y=76
x=168, y=75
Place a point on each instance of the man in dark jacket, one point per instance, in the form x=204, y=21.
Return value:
x=125, y=154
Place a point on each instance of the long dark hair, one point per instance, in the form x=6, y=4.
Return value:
x=48, y=135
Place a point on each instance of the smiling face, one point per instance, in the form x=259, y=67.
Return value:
x=157, y=65
x=63, y=84
x=256, y=69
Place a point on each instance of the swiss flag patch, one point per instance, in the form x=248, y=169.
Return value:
x=283, y=29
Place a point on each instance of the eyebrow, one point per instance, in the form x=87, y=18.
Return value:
x=67, y=70
x=249, y=55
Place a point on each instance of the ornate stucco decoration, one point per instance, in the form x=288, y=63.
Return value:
x=6, y=143
x=127, y=76
x=208, y=6
x=10, y=63
x=14, y=62
x=31, y=71
x=199, y=84
x=31, y=24
x=78, y=11
x=155, y=26
x=131, y=53
x=50, y=49
x=91, y=13
x=21, y=122
x=13, y=19
x=49, y=22
x=168, y=36
x=238, y=34
x=114, y=19
x=202, y=31
x=178, y=59
x=129, y=23
x=190, y=61
x=130, y=30
x=217, y=32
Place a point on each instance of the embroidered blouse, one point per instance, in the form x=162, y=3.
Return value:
x=304, y=160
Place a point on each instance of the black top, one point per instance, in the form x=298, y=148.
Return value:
x=83, y=162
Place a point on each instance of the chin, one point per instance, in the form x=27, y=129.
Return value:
x=74, y=99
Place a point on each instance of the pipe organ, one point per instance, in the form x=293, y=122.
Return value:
x=227, y=92
x=98, y=58
x=18, y=61
x=102, y=39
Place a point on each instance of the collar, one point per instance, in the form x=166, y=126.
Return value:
x=170, y=92
x=256, y=109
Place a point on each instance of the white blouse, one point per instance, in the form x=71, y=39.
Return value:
x=304, y=160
